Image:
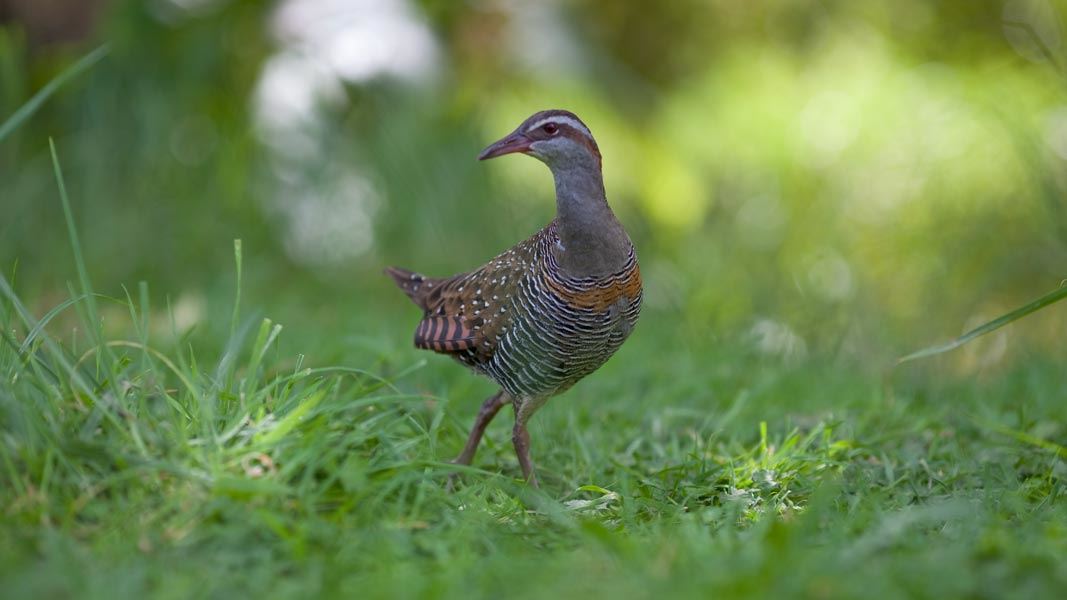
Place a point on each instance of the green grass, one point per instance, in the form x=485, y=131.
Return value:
x=134, y=465
x=177, y=474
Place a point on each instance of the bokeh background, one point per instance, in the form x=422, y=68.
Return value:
x=851, y=180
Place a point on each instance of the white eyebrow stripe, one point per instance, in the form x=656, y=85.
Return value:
x=562, y=119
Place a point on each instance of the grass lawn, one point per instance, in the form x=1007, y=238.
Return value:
x=134, y=465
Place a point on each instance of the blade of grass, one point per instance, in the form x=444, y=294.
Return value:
x=4, y=309
x=39, y=327
x=1022, y=311
x=26, y=110
x=138, y=321
x=79, y=259
x=268, y=332
x=1026, y=438
x=237, y=297
x=289, y=421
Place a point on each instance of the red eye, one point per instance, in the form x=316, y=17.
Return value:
x=550, y=128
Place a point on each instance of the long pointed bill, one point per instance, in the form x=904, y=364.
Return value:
x=516, y=142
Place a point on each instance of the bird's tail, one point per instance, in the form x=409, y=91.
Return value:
x=409, y=282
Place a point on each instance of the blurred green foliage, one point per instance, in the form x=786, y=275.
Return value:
x=853, y=178
x=815, y=188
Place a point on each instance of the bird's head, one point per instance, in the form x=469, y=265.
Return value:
x=555, y=137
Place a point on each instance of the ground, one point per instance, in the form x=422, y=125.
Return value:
x=687, y=466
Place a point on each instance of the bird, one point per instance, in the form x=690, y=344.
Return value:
x=548, y=311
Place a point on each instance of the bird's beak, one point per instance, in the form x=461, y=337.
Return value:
x=515, y=142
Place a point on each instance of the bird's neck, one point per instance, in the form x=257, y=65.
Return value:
x=593, y=241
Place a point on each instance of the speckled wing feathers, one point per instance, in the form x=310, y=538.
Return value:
x=479, y=301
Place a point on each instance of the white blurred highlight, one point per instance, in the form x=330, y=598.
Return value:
x=328, y=204
x=777, y=339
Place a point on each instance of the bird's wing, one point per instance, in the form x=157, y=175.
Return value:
x=471, y=311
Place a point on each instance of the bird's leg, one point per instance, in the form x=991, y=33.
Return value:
x=521, y=438
x=489, y=408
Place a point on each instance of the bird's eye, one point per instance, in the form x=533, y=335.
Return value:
x=550, y=128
